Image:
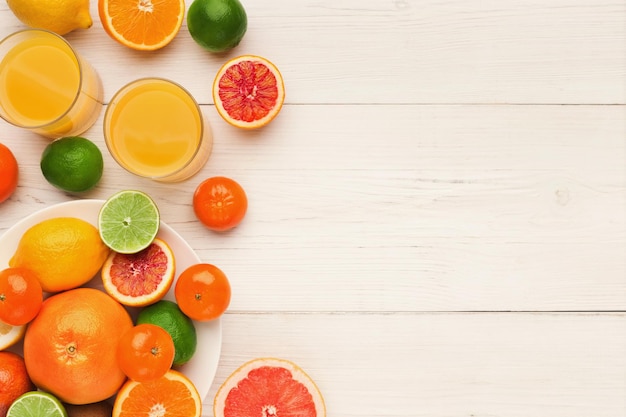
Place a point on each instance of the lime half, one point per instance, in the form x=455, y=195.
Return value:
x=36, y=404
x=128, y=221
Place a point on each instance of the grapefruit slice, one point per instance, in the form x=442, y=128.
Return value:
x=141, y=278
x=248, y=91
x=269, y=387
x=171, y=395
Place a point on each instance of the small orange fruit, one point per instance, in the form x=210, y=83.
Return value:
x=220, y=203
x=173, y=394
x=202, y=292
x=20, y=296
x=145, y=352
x=142, y=278
x=70, y=348
x=248, y=91
x=8, y=173
x=143, y=25
x=14, y=380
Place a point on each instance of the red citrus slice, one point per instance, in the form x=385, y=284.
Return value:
x=269, y=387
x=141, y=278
x=248, y=91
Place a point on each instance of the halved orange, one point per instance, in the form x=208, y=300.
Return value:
x=142, y=278
x=248, y=91
x=171, y=395
x=142, y=24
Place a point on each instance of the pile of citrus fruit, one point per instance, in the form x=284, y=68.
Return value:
x=82, y=345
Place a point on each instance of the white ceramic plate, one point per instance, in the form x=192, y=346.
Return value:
x=203, y=365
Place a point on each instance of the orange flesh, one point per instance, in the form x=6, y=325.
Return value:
x=269, y=392
x=163, y=397
x=248, y=91
x=140, y=273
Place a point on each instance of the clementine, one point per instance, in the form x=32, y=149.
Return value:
x=8, y=173
x=14, y=380
x=70, y=348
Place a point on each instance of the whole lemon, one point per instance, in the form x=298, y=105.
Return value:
x=60, y=16
x=64, y=252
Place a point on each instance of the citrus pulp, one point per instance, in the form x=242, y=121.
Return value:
x=141, y=278
x=70, y=349
x=10, y=335
x=128, y=221
x=248, y=91
x=72, y=164
x=217, y=25
x=37, y=403
x=145, y=25
x=269, y=387
x=168, y=315
x=64, y=252
x=8, y=173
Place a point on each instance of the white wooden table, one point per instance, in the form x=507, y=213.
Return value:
x=437, y=220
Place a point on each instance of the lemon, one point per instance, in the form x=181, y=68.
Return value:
x=72, y=164
x=65, y=252
x=60, y=16
x=217, y=25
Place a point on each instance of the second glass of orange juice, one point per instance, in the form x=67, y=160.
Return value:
x=154, y=128
x=45, y=86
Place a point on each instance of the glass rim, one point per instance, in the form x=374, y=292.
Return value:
x=123, y=91
x=80, y=75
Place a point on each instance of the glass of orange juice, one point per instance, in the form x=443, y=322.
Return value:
x=154, y=128
x=46, y=86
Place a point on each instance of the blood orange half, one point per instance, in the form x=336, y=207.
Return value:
x=248, y=91
x=141, y=278
x=269, y=387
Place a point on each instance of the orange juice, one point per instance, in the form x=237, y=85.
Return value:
x=155, y=129
x=45, y=86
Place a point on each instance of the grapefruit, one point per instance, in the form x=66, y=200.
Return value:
x=70, y=348
x=269, y=387
x=140, y=278
x=248, y=91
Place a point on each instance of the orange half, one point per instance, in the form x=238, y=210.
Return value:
x=248, y=91
x=142, y=24
x=171, y=395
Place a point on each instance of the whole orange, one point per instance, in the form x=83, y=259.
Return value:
x=70, y=347
x=14, y=380
x=8, y=173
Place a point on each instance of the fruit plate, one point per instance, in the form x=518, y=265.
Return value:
x=202, y=367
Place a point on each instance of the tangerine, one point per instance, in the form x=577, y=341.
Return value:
x=70, y=348
x=9, y=172
x=145, y=352
x=220, y=203
x=14, y=380
x=20, y=296
x=202, y=292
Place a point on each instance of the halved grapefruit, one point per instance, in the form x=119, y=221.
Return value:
x=248, y=91
x=142, y=278
x=269, y=387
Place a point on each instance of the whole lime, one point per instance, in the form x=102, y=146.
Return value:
x=72, y=163
x=217, y=25
x=167, y=315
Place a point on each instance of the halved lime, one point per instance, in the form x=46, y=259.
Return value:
x=128, y=221
x=36, y=404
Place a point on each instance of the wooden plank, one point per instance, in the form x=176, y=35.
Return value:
x=458, y=208
x=442, y=365
x=406, y=51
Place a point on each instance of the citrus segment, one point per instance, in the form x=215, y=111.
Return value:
x=171, y=395
x=70, y=349
x=37, y=403
x=269, y=387
x=64, y=252
x=128, y=221
x=248, y=91
x=10, y=335
x=142, y=24
x=141, y=278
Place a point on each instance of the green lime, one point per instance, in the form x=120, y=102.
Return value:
x=72, y=164
x=217, y=25
x=128, y=221
x=36, y=404
x=167, y=315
